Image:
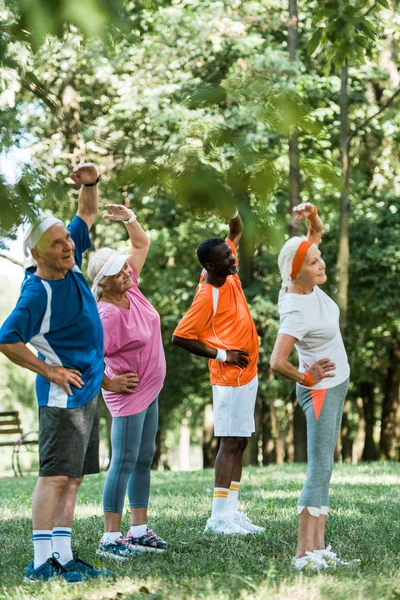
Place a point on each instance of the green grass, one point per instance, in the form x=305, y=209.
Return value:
x=364, y=523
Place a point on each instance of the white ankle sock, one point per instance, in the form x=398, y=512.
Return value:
x=62, y=544
x=220, y=503
x=42, y=546
x=233, y=497
x=138, y=530
x=111, y=536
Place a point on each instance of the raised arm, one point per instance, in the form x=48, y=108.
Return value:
x=140, y=243
x=280, y=363
x=87, y=176
x=235, y=228
x=314, y=224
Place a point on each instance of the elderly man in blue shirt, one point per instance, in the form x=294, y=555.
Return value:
x=57, y=314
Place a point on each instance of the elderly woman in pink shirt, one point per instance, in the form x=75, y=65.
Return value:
x=134, y=375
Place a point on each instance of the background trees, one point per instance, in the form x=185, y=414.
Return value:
x=192, y=107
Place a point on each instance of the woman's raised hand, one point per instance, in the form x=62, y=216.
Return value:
x=303, y=211
x=119, y=212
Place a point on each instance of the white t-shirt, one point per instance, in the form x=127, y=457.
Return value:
x=313, y=319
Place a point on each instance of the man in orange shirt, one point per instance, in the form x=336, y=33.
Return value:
x=218, y=326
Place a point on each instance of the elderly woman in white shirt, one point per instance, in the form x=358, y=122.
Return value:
x=309, y=321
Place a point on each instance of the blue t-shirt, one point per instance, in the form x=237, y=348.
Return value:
x=61, y=321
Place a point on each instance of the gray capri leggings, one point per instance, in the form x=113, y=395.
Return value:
x=323, y=410
x=133, y=443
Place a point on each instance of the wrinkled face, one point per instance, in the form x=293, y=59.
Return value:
x=118, y=284
x=313, y=270
x=55, y=249
x=223, y=261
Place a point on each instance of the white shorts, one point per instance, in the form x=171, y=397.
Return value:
x=234, y=409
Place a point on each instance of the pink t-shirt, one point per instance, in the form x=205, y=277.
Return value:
x=133, y=343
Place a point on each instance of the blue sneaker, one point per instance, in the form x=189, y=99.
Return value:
x=120, y=550
x=77, y=565
x=51, y=568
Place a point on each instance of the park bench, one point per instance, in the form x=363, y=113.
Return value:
x=10, y=425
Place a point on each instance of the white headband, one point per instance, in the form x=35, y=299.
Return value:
x=36, y=230
x=112, y=266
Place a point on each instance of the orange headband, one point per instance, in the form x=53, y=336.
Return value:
x=299, y=258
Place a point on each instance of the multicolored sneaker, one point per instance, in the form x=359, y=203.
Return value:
x=332, y=559
x=80, y=566
x=120, y=550
x=309, y=562
x=149, y=542
x=52, y=568
x=243, y=520
x=226, y=526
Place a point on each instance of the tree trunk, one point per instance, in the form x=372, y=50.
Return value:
x=210, y=443
x=184, y=446
x=70, y=117
x=370, y=451
x=346, y=440
x=289, y=429
x=390, y=429
x=300, y=434
x=359, y=442
x=344, y=253
x=295, y=227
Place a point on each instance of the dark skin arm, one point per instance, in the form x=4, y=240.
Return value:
x=233, y=357
x=235, y=229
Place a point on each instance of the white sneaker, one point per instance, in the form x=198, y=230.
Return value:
x=225, y=525
x=310, y=562
x=243, y=520
x=332, y=559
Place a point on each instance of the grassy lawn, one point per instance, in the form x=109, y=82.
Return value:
x=364, y=523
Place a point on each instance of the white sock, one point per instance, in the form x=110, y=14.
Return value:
x=220, y=503
x=62, y=544
x=42, y=546
x=138, y=530
x=110, y=537
x=233, y=497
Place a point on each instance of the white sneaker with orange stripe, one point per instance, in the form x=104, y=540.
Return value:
x=226, y=526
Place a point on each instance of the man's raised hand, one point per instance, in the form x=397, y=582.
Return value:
x=84, y=173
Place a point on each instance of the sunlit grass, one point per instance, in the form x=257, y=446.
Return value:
x=363, y=523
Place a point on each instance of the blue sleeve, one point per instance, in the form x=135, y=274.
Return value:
x=25, y=320
x=80, y=234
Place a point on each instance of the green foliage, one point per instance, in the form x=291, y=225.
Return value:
x=188, y=111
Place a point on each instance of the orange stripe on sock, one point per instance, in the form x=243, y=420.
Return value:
x=234, y=487
x=220, y=494
x=318, y=397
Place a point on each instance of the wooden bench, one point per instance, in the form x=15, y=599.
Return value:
x=10, y=425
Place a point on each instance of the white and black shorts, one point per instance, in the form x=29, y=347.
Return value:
x=234, y=409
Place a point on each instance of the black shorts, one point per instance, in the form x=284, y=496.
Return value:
x=69, y=440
